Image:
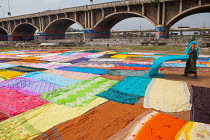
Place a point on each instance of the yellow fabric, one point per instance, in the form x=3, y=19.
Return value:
x=10, y=74
x=30, y=57
x=124, y=56
x=167, y=95
x=194, y=131
x=36, y=121
x=110, y=52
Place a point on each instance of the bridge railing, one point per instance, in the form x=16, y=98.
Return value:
x=72, y=9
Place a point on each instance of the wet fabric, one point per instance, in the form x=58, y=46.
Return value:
x=98, y=124
x=89, y=70
x=25, y=69
x=8, y=59
x=28, y=86
x=79, y=94
x=3, y=116
x=2, y=78
x=133, y=68
x=200, y=111
x=167, y=95
x=94, y=65
x=51, y=78
x=127, y=91
x=125, y=56
x=127, y=72
x=151, y=126
x=158, y=62
x=30, y=61
x=14, y=103
x=71, y=74
x=36, y=121
x=66, y=68
x=194, y=131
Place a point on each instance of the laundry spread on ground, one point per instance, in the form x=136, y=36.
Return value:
x=79, y=94
x=149, y=126
x=194, y=131
x=200, y=111
x=96, y=95
x=127, y=91
x=167, y=95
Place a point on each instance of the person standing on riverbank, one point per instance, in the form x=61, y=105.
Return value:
x=193, y=51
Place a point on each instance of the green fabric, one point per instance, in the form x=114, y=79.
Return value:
x=79, y=94
x=2, y=78
x=127, y=72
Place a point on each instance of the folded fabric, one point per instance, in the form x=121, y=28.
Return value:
x=194, y=131
x=79, y=94
x=36, y=121
x=98, y=124
x=200, y=111
x=3, y=116
x=88, y=70
x=151, y=126
x=51, y=78
x=167, y=95
x=127, y=91
x=28, y=86
x=25, y=69
x=14, y=102
x=71, y=74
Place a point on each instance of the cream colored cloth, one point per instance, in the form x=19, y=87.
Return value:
x=167, y=95
x=194, y=131
x=36, y=121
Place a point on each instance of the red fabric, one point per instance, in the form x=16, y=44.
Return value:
x=3, y=116
x=14, y=102
x=133, y=68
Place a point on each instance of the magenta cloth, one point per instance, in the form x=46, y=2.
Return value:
x=28, y=86
x=14, y=102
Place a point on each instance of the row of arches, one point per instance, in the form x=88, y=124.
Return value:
x=57, y=28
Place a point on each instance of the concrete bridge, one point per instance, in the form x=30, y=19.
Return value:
x=98, y=19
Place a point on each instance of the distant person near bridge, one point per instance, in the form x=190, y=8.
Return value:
x=193, y=51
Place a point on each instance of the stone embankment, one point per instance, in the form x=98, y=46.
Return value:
x=176, y=42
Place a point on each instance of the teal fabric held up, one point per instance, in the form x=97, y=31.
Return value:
x=158, y=62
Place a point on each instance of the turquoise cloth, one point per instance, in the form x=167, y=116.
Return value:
x=89, y=70
x=127, y=91
x=158, y=62
x=188, y=49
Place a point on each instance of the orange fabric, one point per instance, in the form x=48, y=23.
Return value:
x=193, y=46
x=133, y=68
x=160, y=126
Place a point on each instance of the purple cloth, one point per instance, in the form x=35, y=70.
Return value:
x=79, y=60
x=29, y=86
x=66, y=68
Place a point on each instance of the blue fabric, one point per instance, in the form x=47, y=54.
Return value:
x=51, y=78
x=89, y=70
x=127, y=91
x=4, y=66
x=158, y=62
x=65, y=68
x=66, y=53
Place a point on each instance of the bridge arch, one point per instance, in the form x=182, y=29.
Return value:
x=115, y=18
x=57, y=28
x=23, y=32
x=191, y=11
x=3, y=34
x=102, y=28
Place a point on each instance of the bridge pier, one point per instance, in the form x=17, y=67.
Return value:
x=98, y=32
x=162, y=31
x=20, y=37
x=51, y=35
